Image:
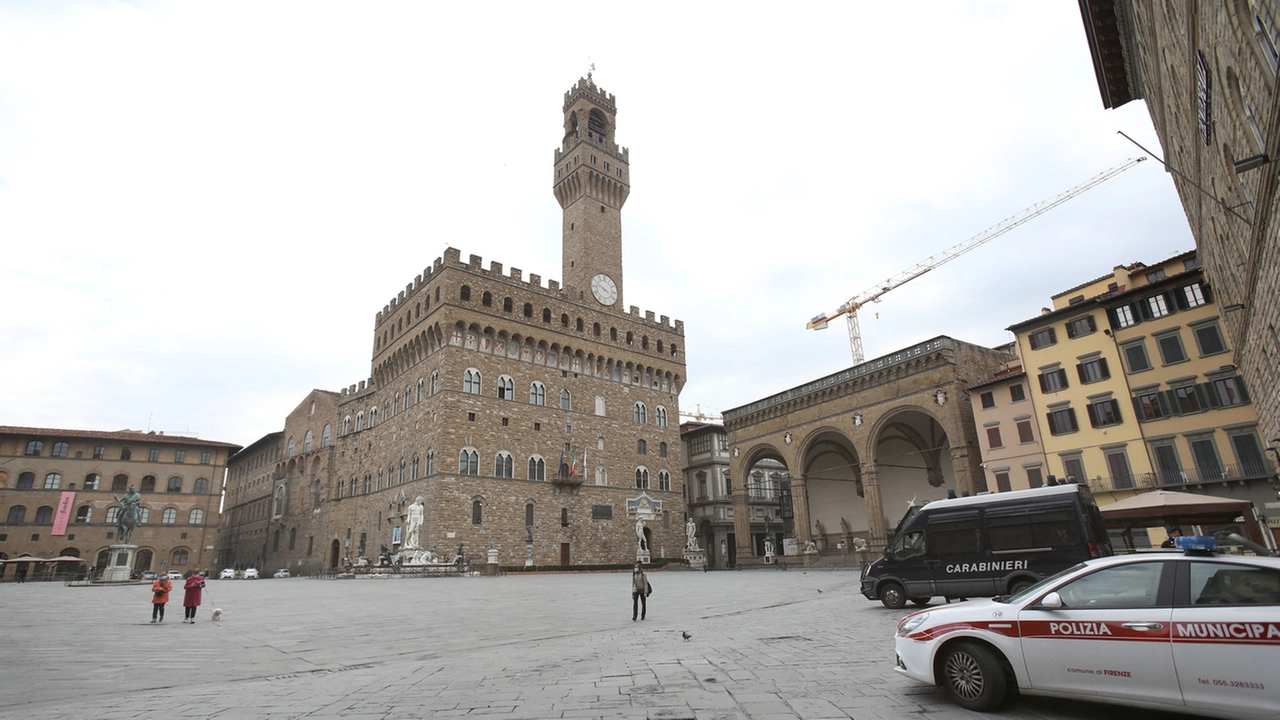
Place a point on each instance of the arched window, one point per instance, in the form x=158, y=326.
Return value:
x=613, y=334
x=277, y=507
x=579, y=325
x=642, y=448
x=476, y=512
x=373, y=416
x=640, y=413
x=431, y=463
x=528, y=310
x=113, y=512
x=602, y=476
x=180, y=556
x=306, y=441
x=662, y=449
x=595, y=329
x=471, y=382
x=44, y=515
x=293, y=537
x=196, y=517
x=506, y=388
x=84, y=514
x=664, y=480
x=537, y=393
x=537, y=468
x=292, y=447
x=599, y=406
x=503, y=466
x=468, y=462
x=405, y=398
x=91, y=481
x=506, y=305
x=326, y=435
x=148, y=484
x=201, y=486
x=660, y=416
x=169, y=516
x=368, y=482
x=566, y=400
x=642, y=478
x=26, y=480
x=355, y=487
x=359, y=421
x=35, y=447
x=486, y=299
x=52, y=481
x=435, y=381
x=346, y=425
x=60, y=449
x=175, y=484
x=17, y=514
x=144, y=515
x=422, y=388
x=465, y=294
x=120, y=483
x=564, y=319
x=414, y=475
x=546, y=315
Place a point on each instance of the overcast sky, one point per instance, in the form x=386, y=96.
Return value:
x=203, y=206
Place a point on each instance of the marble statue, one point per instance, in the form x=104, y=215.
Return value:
x=640, y=546
x=691, y=535
x=414, y=521
x=768, y=546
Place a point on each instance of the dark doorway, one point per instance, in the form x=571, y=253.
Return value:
x=564, y=553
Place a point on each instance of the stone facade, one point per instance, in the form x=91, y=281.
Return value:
x=180, y=479
x=863, y=442
x=526, y=415
x=1207, y=72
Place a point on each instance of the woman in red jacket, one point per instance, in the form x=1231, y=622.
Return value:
x=191, y=600
x=159, y=596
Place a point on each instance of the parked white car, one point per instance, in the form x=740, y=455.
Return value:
x=1188, y=632
x=227, y=574
x=251, y=574
x=281, y=573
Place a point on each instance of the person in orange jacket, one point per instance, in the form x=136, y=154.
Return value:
x=159, y=596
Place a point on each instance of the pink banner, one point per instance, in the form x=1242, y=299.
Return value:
x=65, y=503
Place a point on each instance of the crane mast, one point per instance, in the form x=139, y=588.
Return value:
x=850, y=308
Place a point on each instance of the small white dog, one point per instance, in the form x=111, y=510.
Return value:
x=217, y=614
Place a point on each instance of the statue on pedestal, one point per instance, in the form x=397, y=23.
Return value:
x=691, y=535
x=129, y=516
x=413, y=524
x=640, y=544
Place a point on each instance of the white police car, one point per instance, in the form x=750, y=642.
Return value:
x=1190, y=632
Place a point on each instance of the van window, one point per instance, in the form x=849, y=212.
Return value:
x=1037, y=528
x=955, y=535
x=909, y=544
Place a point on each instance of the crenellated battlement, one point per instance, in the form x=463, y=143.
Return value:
x=452, y=258
x=586, y=87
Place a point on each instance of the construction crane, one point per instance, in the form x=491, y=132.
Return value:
x=850, y=308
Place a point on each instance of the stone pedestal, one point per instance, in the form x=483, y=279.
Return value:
x=121, y=565
x=491, y=568
x=643, y=557
x=697, y=559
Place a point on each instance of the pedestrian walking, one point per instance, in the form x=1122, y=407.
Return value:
x=160, y=590
x=191, y=599
x=640, y=592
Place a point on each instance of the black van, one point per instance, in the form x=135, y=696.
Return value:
x=986, y=545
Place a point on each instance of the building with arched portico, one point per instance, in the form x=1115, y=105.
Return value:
x=860, y=444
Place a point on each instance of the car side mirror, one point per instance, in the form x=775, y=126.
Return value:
x=1052, y=601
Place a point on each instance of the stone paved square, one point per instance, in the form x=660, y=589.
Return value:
x=765, y=644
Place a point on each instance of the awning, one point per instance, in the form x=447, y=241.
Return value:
x=1165, y=508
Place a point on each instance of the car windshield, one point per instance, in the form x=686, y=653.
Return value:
x=1032, y=590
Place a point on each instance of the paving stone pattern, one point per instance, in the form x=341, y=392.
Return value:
x=765, y=644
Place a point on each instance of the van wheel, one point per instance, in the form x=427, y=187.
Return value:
x=974, y=677
x=920, y=601
x=1019, y=586
x=893, y=596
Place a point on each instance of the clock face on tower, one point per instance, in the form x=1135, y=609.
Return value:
x=604, y=289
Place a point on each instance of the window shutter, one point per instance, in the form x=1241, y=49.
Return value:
x=1080, y=372
x=1048, y=420
x=1214, y=400
x=1071, y=413
x=1180, y=298
x=1062, y=375
x=1244, y=393
x=1031, y=340
x=1071, y=330
x=1111, y=319
x=1044, y=387
x=1093, y=325
x=1143, y=310
x=1172, y=399
x=1137, y=407
x=1053, y=336
x=1170, y=300
x=1102, y=365
x=1093, y=415
x=1115, y=409
x=1204, y=290
x=1202, y=395
x=1163, y=401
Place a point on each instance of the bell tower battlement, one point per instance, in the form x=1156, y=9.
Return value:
x=592, y=182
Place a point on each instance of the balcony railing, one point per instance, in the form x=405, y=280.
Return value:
x=1186, y=476
x=563, y=479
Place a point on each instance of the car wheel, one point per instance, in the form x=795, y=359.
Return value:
x=974, y=677
x=1019, y=586
x=893, y=596
x=920, y=601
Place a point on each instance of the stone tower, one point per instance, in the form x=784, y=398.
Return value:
x=592, y=181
